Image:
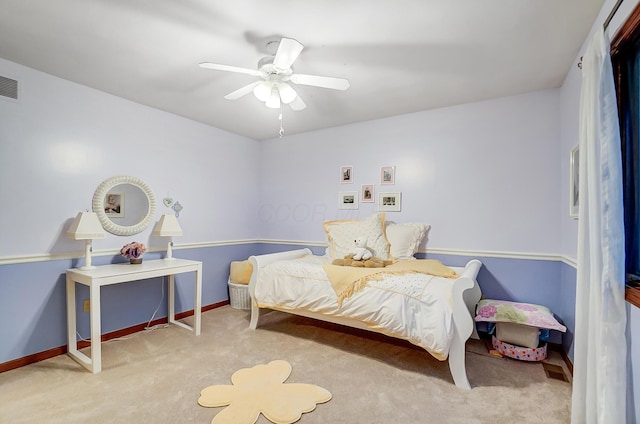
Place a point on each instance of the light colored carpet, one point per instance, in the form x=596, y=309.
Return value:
x=261, y=390
x=157, y=376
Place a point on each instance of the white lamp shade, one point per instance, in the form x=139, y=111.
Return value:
x=273, y=101
x=167, y=226
x=287, y=94
x=86, y=226
x=263, y=90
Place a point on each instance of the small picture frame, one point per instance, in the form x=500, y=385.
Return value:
x=390, y=201
x=346, y=174
x=574, y=182
x=114, y=204
x=388, y=175
x=348, y=200
x=367, y=193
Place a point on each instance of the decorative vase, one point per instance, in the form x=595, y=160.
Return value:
x=135, y=260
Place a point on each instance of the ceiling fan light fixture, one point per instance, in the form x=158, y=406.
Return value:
x=273, y=101
x=287, y=94
x=263, y=91
x=276, y=72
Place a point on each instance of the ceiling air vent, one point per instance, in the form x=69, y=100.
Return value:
x=8, y=88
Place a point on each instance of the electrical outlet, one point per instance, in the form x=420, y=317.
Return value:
x=86, y=307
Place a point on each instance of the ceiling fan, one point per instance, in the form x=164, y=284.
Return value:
x=276, y=73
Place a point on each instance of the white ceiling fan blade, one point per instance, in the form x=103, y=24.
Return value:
x=318, y=81
x=228, y=68
x=242, y=91
x=297, y=104
x=287, y=53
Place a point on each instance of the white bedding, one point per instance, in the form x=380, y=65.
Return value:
x=415, y=307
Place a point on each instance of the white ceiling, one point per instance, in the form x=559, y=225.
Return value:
x=401, y=56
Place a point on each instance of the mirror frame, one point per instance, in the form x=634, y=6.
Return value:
x=98, y=205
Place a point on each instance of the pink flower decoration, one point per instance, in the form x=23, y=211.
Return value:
x=487, y=311
x=133, y=250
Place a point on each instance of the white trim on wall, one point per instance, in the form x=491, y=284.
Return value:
x=42, y=257
x=494, y=254
x=17, y=259
x=568, y=260
x=459, y=252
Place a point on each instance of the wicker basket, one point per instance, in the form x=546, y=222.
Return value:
x=239, y=296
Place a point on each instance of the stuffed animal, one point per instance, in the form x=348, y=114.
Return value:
x=347, y=261
x=376, y=263
x=361, y=252
x=369, y=263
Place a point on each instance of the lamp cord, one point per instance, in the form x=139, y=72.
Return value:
x=156, y=311
x=147, y=327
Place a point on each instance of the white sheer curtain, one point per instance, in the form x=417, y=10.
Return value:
x=600, y=373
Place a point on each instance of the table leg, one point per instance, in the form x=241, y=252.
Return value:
x=90, y=363
x=96, y=333
x=197, y=309
x=72, y=341
x=172, y=300
x=197, y=302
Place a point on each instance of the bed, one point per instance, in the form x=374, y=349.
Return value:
x=431, y=310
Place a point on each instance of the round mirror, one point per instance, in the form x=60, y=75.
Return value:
x=124, y=205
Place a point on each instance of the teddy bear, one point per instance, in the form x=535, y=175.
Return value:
x=372, y=262
x=376, y=263
x=360, y=252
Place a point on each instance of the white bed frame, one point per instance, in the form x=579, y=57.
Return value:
x=466, y=294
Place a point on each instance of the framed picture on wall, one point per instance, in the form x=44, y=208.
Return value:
x=348, y=200
x=388, y=175
x=574, y=182
x=390, y=201
x=366, y=193
x=114, y=204
x=346, y=174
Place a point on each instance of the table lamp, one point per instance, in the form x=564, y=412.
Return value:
x=87, y=227
x=168, y=226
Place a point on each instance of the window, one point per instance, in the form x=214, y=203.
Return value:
x=625, y=56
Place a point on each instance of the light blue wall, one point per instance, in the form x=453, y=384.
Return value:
x=490, y=176
x=484, y=175
x=63, y=139
x=34, y=307
x=567, y=307
x=57, y=144
x=33, y=298
x=518, y=280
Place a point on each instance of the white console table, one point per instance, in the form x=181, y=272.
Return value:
x=123, y=273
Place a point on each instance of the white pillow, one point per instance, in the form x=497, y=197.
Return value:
x=341, y=235
x=405, y=239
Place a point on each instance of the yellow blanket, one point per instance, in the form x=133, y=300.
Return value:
x=347, y=280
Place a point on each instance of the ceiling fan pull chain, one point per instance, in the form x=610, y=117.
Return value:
x=281, y=132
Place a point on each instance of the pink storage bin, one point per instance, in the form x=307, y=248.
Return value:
x=532, y=354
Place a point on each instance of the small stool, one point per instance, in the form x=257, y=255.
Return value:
x=518, y=327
